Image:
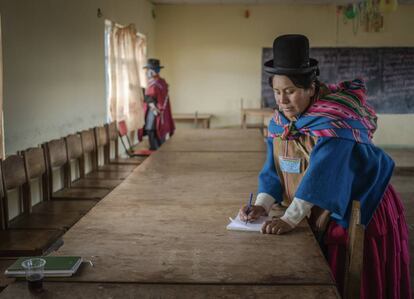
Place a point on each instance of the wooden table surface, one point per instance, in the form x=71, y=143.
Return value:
x=163, y=232
x=215, y=140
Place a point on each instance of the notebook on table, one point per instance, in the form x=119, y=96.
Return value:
x=56, y=266
x=255, y=226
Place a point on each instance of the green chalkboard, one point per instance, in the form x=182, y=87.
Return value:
x=388, y=74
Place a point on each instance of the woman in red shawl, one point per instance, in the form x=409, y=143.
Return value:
x=159, y=122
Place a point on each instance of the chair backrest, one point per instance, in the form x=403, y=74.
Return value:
x=13, y=172
x=14, y=177
x=74, y=146
x=122, y=128
x=354, y=254
x=75, y=152
x=56, y=157
x=56, y=153
x=112, y=133
x=35, y=163
x=3, y=205
x=89, y=148
x=123, y=134
x=101, y=137
x=88, y=141
x=34, y=159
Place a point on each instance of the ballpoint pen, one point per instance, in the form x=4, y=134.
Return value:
x=249, y=206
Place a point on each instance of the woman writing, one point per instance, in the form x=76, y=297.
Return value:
x=320, y=157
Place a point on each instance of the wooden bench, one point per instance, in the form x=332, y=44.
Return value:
x=196, y=118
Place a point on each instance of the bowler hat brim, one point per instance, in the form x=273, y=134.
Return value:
x=276, y=70
x=148, y=66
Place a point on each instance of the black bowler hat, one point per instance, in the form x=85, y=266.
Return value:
x=153, y=64
x=291, y=56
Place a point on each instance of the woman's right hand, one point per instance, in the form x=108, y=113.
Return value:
x=252, y=213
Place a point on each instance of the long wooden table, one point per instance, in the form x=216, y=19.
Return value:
x=162, y=233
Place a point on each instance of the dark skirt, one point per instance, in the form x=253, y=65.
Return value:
x=386, y=252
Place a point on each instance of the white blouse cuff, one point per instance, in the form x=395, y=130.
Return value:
x=265, y=200
x=297, y=210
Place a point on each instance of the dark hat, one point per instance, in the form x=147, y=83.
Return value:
x=291, y=56
x=153, y=64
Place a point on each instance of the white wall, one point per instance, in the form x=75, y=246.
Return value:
x=53, y=57
x=212, y=54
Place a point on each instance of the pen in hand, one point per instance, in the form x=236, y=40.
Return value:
x=248, y=207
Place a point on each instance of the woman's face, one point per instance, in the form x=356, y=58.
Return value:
x=291, y=100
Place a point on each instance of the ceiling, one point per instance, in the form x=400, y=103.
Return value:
x=253, y=2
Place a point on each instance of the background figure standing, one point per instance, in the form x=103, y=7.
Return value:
x=159, y=122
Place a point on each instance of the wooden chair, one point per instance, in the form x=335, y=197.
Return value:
x=57, y=159
x=90, y=150
x=20, y=242
x=102, y=142
x=76, y=153
x=34, y=159
x=16, y=177
x=112, y=133
x=126, y=142
x=355, y=254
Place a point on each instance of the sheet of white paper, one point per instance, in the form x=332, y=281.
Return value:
x=255, y=226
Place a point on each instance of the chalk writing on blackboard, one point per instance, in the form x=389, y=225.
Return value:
x=388, y=74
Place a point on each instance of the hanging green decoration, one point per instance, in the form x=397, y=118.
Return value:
x=350, y=12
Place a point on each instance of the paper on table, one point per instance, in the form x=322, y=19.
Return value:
x=255, y=226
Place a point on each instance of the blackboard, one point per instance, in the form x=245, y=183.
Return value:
x=388, y=74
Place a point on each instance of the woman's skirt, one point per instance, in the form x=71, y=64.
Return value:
x=386, y=253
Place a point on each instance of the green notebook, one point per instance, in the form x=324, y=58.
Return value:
x=56, y=266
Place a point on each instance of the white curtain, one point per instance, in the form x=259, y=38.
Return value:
x=142, y=58
x=124, y=65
